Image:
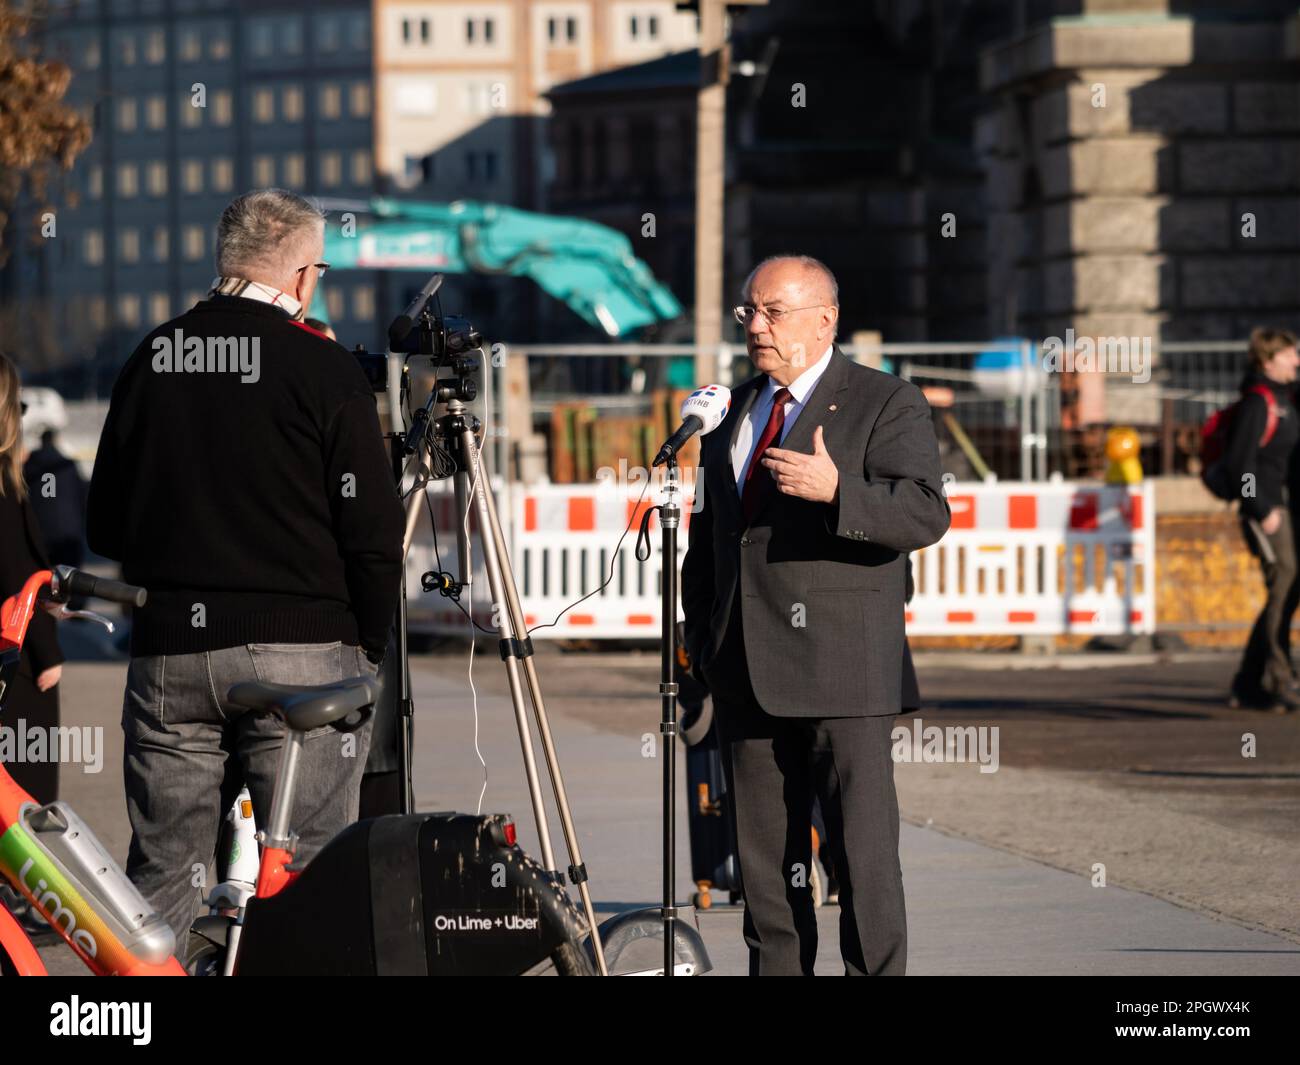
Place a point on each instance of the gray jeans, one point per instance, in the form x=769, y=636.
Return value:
x=188, y=750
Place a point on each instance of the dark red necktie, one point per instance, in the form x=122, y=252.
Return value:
x=752, y=493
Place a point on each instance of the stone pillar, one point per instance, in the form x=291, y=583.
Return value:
x=1143, y=175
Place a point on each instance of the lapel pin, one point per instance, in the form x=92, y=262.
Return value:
x=832, y=407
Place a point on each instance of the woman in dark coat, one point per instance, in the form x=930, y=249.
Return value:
x=33, y=697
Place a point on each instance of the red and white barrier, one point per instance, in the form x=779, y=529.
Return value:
x=1039, y=558
x=1020, y=558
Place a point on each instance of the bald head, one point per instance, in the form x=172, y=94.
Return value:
x=813, y=275
x=795, y=302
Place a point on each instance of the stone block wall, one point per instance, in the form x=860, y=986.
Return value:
x=1143, y=174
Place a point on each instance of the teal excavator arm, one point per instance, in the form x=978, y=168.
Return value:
x=588, y=266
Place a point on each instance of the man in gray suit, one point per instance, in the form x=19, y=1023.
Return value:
x=820, y=480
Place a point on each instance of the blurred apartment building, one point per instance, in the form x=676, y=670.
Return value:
x=461, y=113
x=193, y=101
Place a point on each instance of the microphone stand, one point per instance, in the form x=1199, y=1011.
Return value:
x=670, y=514
x=669, y=517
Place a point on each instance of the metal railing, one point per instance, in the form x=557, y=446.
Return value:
x=1013, y=425
x=992, y=417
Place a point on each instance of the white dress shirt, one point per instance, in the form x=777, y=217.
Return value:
x=742, y=452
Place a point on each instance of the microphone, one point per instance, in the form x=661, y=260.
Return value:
x=403, y=323
x=702, y=412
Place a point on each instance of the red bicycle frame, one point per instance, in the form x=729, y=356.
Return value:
x=43, y=851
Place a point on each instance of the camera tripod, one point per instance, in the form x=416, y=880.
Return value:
x=473, y=494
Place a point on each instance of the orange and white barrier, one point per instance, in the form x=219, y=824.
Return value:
x=1039, y=558
x=562, y=540
x=1020, y=558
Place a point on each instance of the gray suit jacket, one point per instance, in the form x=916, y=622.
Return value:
x=821, y=585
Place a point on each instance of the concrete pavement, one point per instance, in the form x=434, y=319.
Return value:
x=972, y=908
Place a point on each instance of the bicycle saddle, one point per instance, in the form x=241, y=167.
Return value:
x=303, y=707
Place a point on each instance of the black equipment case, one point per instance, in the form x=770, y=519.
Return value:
x=438, y=894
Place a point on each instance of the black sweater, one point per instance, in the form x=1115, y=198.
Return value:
x=21, y=554
x=263, y=509
x=1243, y=454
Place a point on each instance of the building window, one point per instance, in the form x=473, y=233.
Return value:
x=90, y=59
x=291, y=37
x=359, y=99
x=126, y=115
x=294, y=170
x=128, y=244
x=363, y=302
x=331, y=169
x=223, y=106
x=162, y=244
x=128, y=310
x=155, y=47
x=649, y=25
x=263, y=170
x=191, y=45
x=262, y=38
x=99, y=313
x=191, y=116
x=415, y=98
x=419, y=169
x=155, y=112
x=128, y=180
x=327, y=34
x=192, y=176
x=331, y=101
x=126, y=50
x=160, y=307
x=334, y=302
x=263, y=106
x=571, y=29
x=291, y=103
x=361, y=171
x=92, y=247
x=219, y=44
x=223, y=174
x=359, y=32
x=481, y=166
x=479, y=30
x=413, y=29
x=192, y=243
x=156, y=178
x=95, y=182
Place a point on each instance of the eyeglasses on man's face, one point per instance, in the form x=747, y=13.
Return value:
x=746, y=312
x=320, y=268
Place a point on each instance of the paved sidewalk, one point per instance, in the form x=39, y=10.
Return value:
x=972, y=909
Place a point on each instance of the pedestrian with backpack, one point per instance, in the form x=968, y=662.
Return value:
x=1259, y=434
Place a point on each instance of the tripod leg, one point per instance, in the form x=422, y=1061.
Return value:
x=577, y=870
x=480, y=499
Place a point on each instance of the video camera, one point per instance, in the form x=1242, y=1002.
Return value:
x=419, y=330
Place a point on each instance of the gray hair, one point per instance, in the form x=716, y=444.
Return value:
x=810, y=264
x=265, y=232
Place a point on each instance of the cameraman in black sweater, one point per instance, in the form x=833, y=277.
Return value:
x=242, y=479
